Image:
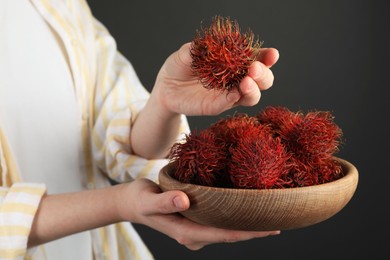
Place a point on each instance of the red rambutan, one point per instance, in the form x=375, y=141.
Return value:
x=304, y=174
x=280, y=119
x=221, y=54
x=232, y=129
x=274, y=116
x=259, y=161
x=313, y=138
x=201, y=159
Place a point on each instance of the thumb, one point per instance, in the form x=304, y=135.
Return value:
x=171, y=202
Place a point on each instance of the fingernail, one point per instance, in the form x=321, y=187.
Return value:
x=178, y=202
x=275, y=233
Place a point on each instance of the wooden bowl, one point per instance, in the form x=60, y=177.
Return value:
x=268, y=209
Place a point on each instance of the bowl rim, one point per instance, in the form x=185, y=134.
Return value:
x=351, y=174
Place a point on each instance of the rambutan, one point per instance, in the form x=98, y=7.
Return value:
x=258, y=161
x=317, y=172
x=232, y=129
x=201, y=159
x=277, y=117
x=221, y=54
x=312, y=139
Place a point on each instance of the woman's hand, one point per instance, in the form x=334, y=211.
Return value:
x=143, y=202
x=179, y=91
x=140, y=201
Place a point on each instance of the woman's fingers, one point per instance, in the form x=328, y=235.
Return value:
x=261, y=74
x=259, y=78
x=268, y=56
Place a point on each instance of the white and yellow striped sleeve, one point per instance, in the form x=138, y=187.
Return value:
x=119, y=96
x=18, y=205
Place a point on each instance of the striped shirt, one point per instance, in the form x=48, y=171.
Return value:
x=109, y=96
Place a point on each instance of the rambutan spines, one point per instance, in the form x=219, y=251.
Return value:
x=315, y=137
x=312, y=138
x=319, y=172
x=258, y=161
x=221, y=54
x=232, y=129
x=201, y=159
x=276, y=117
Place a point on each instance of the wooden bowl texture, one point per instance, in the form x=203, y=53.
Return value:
x=267, y=209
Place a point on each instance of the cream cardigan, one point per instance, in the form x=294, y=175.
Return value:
x=101, y=95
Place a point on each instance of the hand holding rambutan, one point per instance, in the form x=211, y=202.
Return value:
x=222, y=54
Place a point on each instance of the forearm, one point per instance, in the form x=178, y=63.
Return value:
x=65, y=214
x=154, y=131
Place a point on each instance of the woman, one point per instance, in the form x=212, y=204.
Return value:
x=74, y=117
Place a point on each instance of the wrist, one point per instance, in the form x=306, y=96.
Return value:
x=122, y=202
x=155, y=129
x=161, y=104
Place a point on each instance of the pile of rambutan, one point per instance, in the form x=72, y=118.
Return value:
x=276, y=148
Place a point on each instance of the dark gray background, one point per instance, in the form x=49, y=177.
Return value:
x=333, y=56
